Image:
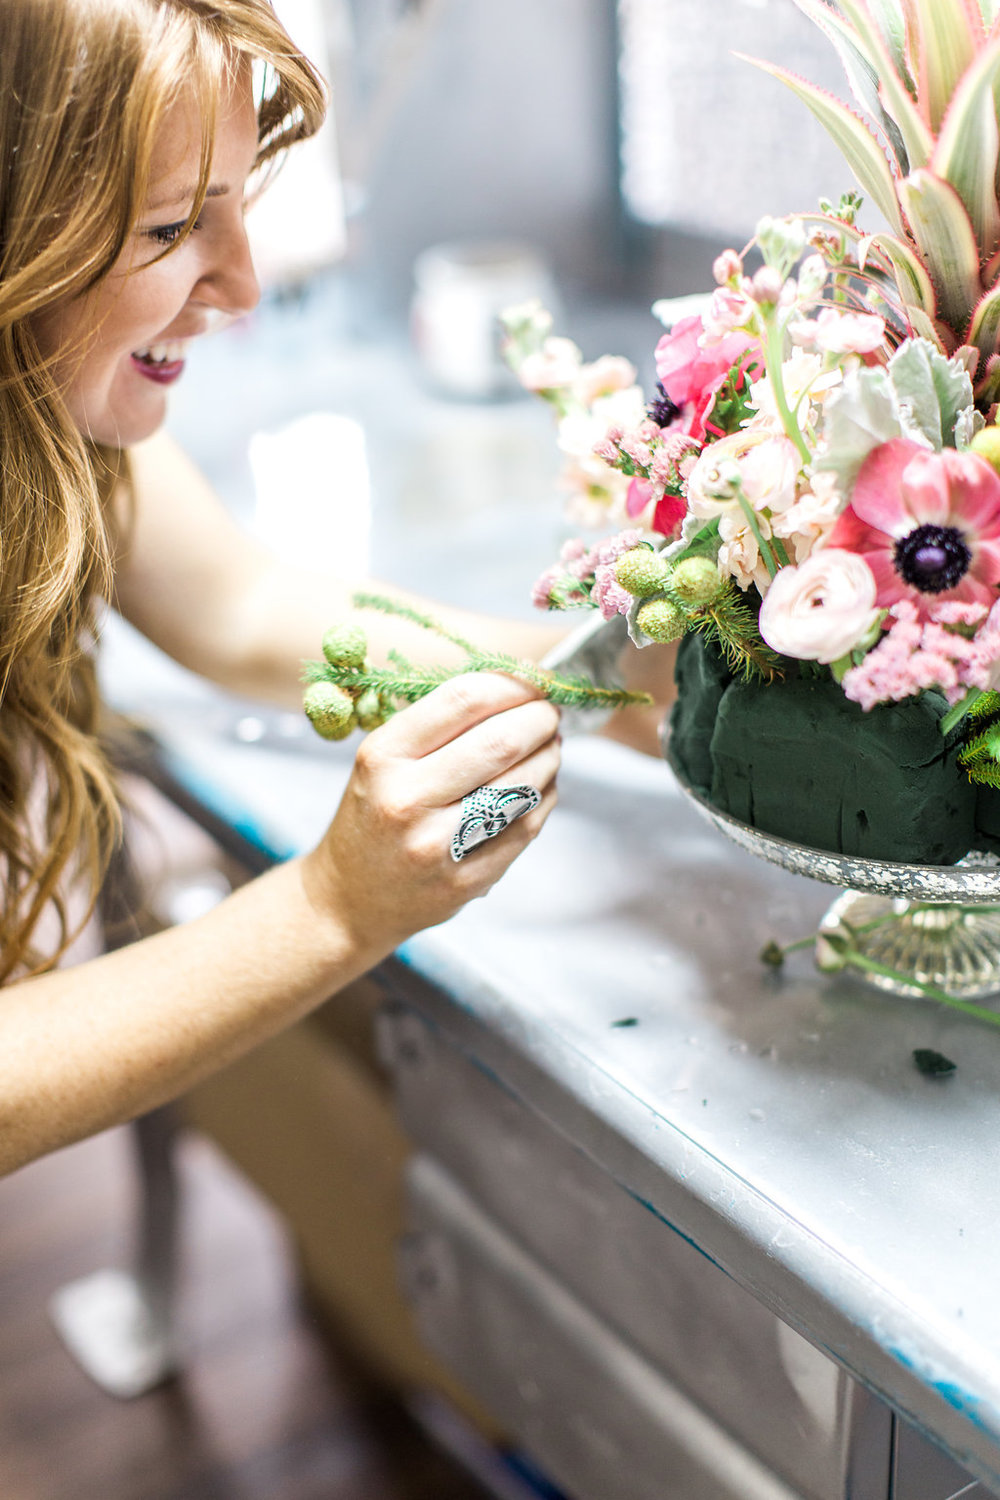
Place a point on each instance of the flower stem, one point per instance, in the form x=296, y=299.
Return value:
x=775, y=351
x=754, y=525
x=857, y=960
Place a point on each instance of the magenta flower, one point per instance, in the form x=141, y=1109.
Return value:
x=927, y=524
x=691, y=375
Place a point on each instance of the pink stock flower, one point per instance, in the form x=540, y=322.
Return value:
x=691, y=374
x=927, y=524
x=916, y=654
x=611, y=598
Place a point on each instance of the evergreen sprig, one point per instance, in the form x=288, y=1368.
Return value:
x=731, y=623
x=980, y=756
x=345, y=691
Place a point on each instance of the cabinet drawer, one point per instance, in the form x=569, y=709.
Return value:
x=923, y=1471
x=598, y=1418
x=778, y=1395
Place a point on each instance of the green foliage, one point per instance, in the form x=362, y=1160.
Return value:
x=376, y=692
x=731, y=623
x=980, y=756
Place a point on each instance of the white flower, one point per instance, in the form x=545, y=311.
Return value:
x=767, y=468
x=813, y=274
x=841, y=332
x=804, y=379
x=603, y=377
x=597, y=492
x=807, y=523
x=739, y=556
x=822, y=609
x=527, y=319
x=555, y=365
x=581, y=431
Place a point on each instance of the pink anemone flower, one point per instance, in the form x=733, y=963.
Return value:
x=927, y=524
x=691, y=374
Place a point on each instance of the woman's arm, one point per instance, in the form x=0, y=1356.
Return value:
x=218, y=602
x=95, y=1045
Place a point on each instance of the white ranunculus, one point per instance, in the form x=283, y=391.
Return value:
x=822, y=609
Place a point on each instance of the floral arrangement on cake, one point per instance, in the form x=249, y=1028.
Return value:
x=809, y=502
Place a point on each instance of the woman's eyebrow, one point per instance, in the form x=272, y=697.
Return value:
x=186, y=194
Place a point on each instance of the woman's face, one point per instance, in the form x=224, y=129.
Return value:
x=118, y=349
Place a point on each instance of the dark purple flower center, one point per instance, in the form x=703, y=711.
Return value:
x=661, y=409
x=932, y=558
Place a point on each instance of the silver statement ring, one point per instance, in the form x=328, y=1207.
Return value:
x=488, y=811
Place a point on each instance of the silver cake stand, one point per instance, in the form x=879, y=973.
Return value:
x=934, y=924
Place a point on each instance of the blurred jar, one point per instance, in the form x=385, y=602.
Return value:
x=461, y=290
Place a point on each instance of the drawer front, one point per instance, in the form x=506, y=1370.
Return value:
x=597, y=1417
x=760, y=1379
x=923, y=1471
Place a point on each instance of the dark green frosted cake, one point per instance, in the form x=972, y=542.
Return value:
x=799, y=760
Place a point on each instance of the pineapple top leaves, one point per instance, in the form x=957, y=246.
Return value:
x=925, y=148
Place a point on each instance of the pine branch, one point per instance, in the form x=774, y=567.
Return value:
x=732, y=625
x=986, y=706
x=981, y=756
x=386, y=606
x=373, y=691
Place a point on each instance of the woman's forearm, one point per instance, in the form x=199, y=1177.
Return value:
x=90, y=1047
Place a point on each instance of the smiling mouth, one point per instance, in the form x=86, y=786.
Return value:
x=162, y=362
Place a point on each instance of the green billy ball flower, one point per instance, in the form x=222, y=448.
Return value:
x=987, y=444
x=345, y=646
x=641, y=572
x=696, y=581
x=661, y=620
x=329, y=710
x=370, y=710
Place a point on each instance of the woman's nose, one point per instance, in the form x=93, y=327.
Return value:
x=230, y=283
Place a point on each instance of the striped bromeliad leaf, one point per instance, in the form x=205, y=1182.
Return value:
x=924, y=143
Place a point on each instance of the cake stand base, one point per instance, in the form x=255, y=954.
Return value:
x=956, y=947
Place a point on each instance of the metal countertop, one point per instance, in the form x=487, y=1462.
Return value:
x=775, y=1118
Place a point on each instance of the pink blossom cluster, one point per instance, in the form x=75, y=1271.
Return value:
x=692, y=366
x=585, y=575
x=660, y=461
x=936, y=651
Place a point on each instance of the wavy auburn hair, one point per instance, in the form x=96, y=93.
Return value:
x=84, y=89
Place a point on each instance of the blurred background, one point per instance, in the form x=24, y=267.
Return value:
x=597, y=153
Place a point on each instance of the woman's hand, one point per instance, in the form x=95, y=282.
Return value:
x=385, y=870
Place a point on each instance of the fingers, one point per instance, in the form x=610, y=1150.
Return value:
x=490, y=752
x=452, y=709
x=482, y=867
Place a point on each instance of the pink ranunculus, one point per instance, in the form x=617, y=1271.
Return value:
x=927, y=524
x=691, y=374
x=822, y=609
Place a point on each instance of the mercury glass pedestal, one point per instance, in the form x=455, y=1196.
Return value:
x=936, y=924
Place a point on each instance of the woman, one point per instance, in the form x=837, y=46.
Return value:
x=131, y=132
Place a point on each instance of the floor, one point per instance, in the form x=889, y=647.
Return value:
x=266, y=1409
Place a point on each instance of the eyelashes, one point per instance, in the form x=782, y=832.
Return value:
x=168, y=234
